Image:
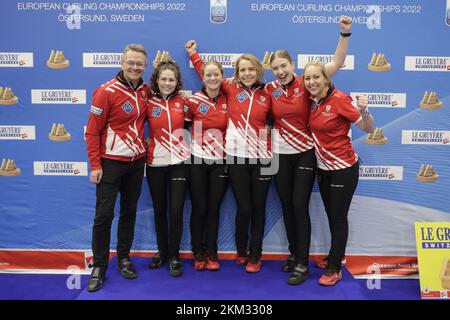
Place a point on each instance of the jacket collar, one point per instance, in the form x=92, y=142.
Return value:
x=126, y=83
x=206, y=94
x=170, y=96
x=329, y=93
x=257, y=85
x=285, y=86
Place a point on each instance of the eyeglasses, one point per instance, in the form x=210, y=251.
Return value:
x=135, y=64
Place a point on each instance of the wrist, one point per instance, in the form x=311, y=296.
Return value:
x=365, y=113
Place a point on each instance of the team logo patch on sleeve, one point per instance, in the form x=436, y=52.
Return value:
x=186, y=108
x=203, y=108
x=277, y=93
x=156, y=111
x=242, y=96
x=96, y=110
x=127, y=107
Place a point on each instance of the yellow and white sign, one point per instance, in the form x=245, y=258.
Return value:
x=433, y=254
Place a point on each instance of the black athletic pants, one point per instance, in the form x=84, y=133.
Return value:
x=250, y=189
x=168, y=187
x=294, y=182
x=126, y=178
x=208, y=185
x=337, y=188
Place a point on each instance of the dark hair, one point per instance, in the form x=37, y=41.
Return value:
x=166, y=65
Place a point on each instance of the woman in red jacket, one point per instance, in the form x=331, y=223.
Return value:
x=332, y=113
x=206, y=113
x=248, y=152
x=166, y=171
x=294, y=148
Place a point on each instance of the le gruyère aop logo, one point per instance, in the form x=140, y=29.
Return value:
x=377, y=138
x=7, y=96
x=160, y=57
x=9, y=168
x=427, y=173
x=57, y=60
x=266, y=60
x=431, y=101
x=379, y=63
x=445, y=272
x=59, y=133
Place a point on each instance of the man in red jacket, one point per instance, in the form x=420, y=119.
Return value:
x=115, y=143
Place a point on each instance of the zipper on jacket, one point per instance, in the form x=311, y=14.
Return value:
x=248, y=112
x=113, y=142
x=170, y=125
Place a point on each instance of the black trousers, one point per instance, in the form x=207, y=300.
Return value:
x=126, y=178
x=337, y=188
x=168, y=187
x=208, y=185
x=250, y=189
x=294, y=182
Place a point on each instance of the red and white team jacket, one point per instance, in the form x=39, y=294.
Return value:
x=330, y=121
x=115, y=128
x=247, y=134
x=209, y=123
x=167, y=144
x=290, y=110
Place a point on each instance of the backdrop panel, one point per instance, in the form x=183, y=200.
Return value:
x=47, y=210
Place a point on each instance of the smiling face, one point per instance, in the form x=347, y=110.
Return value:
x=133, y=65
x=316, y=81
x=283, y=70
x=167, y=82
x=247, y=73
x=212, y=77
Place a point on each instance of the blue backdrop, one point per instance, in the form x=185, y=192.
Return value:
x=43, y=208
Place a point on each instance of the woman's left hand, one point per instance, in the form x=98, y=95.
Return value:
x=346, y=24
